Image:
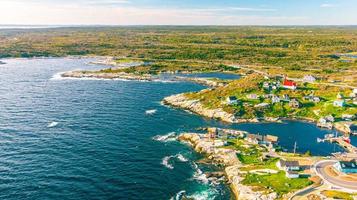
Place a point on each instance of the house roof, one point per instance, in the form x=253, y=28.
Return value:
x=289, y=83
x=285, y=163
x=272, y=138
x=348, y=165
x=232, y=98
x=253, y=136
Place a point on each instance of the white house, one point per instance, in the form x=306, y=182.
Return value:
x=292, y=174
x=252, y=96
x=275, y=99
x=232, y=100
x=262, y=105
x=339, y=103
x=309, y=79
x=288, y=165
x=355, y=90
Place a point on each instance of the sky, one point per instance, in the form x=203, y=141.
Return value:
x=178, y=12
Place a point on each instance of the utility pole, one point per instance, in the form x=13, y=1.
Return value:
x=295, y=148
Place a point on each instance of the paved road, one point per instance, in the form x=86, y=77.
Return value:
x=320, y=170
x=304, y=192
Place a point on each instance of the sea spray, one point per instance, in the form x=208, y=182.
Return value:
x=165, y=138
x=166, y=160
x=199, y=175
x=182, y=158
x=179, y=195
x=52, y=124
x=151, y=112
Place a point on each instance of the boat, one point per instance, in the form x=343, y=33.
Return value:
x=346, y=139
x=319, y=140
x=2, y=63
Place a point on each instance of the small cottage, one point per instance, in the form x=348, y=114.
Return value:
x=285, y=97
x=288, y=84
x=294, y=103
x=347, y=167
x=232, y=100
x=309, y=79
x=262, y=105
x=275, y=99
x=339, y=103
x=292, y=174
x=288, y=165
x=253, y=96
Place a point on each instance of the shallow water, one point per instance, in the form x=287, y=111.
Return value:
x=92, y=139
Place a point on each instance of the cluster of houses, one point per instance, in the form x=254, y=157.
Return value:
x=326, y=122
x=288, y=84
x=294, y=103
x=266, y=140
x=341, y=100
x=269, y=141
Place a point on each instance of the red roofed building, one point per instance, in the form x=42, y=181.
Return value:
x=289, y=84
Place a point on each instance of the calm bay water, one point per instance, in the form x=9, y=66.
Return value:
x=91, y=139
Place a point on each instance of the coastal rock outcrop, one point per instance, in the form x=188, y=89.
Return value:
x=100, y=75
x=228, y=158
x=196, y=106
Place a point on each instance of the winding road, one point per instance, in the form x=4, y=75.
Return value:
x=320, y=168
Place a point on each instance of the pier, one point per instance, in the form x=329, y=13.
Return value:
x=343, y=143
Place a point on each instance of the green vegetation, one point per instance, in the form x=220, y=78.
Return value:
x=278, y=183
x=248, y=154
x=284, y=50
x=252, y=84
x=267, y=164
x=338, y=195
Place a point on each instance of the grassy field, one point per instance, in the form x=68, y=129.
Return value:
x=338, y=195
x=276, y=182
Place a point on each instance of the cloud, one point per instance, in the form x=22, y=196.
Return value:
x=327, y=5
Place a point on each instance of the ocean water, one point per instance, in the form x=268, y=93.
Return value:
x=94, y=139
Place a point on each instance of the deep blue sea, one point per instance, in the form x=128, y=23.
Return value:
x=92, y=139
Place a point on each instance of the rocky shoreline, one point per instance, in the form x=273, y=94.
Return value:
x=99, y=75
x=139, y=77
x=195, y=106
x=228, y=158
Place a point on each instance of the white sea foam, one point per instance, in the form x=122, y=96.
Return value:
x=181, y=158
x=165, y=138
x=151, y=112
x=52, y=124
x=210, y=193
x=199, y=175
x=179, y=195
x=166, y=162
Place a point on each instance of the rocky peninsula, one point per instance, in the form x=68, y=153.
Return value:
x=228, y=158
x=103, y=75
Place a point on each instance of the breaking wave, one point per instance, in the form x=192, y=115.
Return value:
x=52, y=124
x=151, y=112
x=165, y=138
x=166, y=160
x=199, y=175
x=179, y=195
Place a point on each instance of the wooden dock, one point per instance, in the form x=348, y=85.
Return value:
x=340, y=141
